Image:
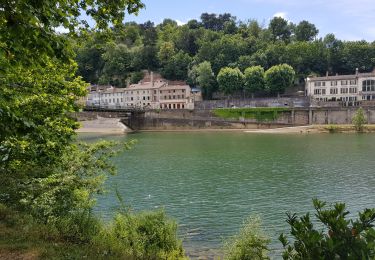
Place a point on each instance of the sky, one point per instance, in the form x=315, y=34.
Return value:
x=347, y=19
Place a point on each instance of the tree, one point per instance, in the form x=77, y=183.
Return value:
x=280, y=29
x=340, y=239
x=359, y=120
x=118, y=65
x=176, y=68
x=278, y=78
x=230, y=80
x=254, y=79
x=305, y=31
x=203, y=76
x=38, y=91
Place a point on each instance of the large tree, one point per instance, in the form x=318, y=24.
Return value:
x=203, y=76
x=280, y=29
x=278, y=78
x=254, y=79
x=230, y=80
x=305, y=31
x=38, y=90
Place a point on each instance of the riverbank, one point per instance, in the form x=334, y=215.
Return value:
x=103, y=126
x=114, y=126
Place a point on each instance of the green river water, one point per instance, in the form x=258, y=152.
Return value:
x=211, y=181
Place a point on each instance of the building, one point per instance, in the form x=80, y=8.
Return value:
x=350, y=89
x=153, y=92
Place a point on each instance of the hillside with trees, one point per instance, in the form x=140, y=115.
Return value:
x=197, y=51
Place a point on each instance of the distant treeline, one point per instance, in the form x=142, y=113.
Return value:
x=118, y=55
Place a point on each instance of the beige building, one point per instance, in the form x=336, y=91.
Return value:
x=152, y=92
x=346, y=88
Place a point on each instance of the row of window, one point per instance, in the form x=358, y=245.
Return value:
x=335, y=82
x=333, y=91
x=155, y=91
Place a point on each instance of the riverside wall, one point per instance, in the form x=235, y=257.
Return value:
x=205, y=119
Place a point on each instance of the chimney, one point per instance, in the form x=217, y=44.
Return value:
x=356, y=71
x=152, y=78
x=327, y=73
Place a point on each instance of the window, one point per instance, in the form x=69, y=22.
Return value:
x=323, y=91
x=131, y=98
x=344, y=82
x=317, y=84
x=353, y=82
x=317, y=91
x=352, y=90
x=174, y=97
x=333, y=83
x=344, y=90
x=183, y=91
x=323, y=84
x=368, y=85
x=333, y=91
x=165, y=97
x=155, y=91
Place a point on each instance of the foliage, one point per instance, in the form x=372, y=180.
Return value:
x=259, y=113
x=250, y=243
x=305, y=31
x=279, y=77
x=359, y=120
x=43, y=170
x=340, y=238
x=254, y=79
x=203, y=76
x=146, y=235
x=280, y=29
x=230, y=80
x=176, y=68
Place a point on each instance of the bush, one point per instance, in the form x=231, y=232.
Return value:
x=359, y=120
x=250, y=243
x=146, y=235
x=340, y=238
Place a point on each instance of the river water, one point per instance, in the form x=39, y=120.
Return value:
x=211, y=181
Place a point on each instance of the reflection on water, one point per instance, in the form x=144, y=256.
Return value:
x=210, y=182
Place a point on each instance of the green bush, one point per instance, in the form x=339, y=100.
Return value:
x=359, y=120
x=332, y=129
x=250, y=243
x=339, y=239
x=146, y=235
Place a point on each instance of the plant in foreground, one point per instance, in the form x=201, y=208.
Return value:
x=339, y=239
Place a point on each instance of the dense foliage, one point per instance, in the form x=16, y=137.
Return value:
x=49, y=180
x=341, y=238
x=221, y=41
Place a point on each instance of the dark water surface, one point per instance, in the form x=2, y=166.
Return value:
x=210, y=182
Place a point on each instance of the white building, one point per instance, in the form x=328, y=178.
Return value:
x=152, y=93
x=347, y=88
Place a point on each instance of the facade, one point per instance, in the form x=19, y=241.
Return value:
x=150, y=93
x=352, y=89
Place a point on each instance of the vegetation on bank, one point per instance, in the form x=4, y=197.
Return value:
x=261, y=114
x=145, y=235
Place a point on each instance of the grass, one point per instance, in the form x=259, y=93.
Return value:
x=340, y=128
x=146, y=235
x=261, y=114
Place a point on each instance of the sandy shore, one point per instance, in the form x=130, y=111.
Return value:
x=114, y=126
x=287, y=130
x=103, y=126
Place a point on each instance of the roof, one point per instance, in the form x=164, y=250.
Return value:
x=342, y=77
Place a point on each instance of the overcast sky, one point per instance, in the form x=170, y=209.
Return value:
x=347, y=19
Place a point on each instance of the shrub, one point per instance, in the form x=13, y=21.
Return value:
x=146, y=235
x=250, y=243
x=340, y=239
x=359, y=120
